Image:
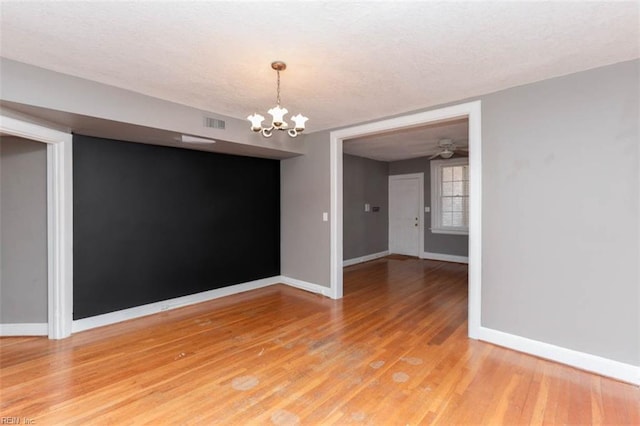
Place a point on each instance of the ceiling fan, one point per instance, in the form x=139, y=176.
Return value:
x=448, y=148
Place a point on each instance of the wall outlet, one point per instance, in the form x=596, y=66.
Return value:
x=427, y=209
x=367, y=207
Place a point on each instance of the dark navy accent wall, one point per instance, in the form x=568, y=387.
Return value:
x=152, y=223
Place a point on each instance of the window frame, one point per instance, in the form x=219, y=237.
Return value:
x=436, y=196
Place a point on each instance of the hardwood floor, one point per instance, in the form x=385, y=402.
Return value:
x=393, y=351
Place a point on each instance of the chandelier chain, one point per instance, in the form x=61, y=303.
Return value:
x=278, y=92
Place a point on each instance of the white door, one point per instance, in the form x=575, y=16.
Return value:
x=406, y=193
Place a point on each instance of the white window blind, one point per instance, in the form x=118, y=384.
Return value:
x=450, y=196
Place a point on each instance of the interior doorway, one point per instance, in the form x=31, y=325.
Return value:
x=59, y=215
x=471, y=111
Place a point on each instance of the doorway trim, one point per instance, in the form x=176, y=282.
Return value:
x=59, y=218
x=420, y=177
x=470, y=110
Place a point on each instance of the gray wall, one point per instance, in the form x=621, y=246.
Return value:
x=23, y=231
x=457, y=245
x=304, y=195
x=365, y=181
x=560, y=211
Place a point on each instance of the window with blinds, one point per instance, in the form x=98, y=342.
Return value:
x=450, y=196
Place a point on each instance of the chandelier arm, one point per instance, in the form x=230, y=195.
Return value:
x=292, y=132
x=268, y=132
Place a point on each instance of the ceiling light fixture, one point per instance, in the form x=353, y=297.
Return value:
x=277, y=113
x=446, y=153
x=195, y=139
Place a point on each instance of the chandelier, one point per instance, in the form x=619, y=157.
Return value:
x=277, y=112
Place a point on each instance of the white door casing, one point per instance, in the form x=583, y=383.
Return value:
x=471, y=110
x=406, y=224
x=59, y=216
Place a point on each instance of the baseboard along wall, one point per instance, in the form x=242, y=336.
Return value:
x=179, y=302
x=24, y=329
x=165, y=305
x=444, y=257
x=304, y=285
x=580, y=360
x=367, y=258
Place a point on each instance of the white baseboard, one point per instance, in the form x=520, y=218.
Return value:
x=366, y=258
x=165, y=305
x=444, y=257
x=304, y=285
x=25, y=329
x=581, y=360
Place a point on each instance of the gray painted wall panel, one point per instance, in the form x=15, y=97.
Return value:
x=560, y=212
x=304, y=196
x=457, y=245
x=365, y=181
x=23, y=231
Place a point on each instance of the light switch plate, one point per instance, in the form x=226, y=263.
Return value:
x=325, y=216
x=427, y=209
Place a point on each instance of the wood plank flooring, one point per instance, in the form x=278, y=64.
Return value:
x=394, y=351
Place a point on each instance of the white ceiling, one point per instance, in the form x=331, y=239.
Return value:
x=409, y=143
x=348, y=62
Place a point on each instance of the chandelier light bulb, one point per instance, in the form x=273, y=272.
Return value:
x=278, y=113
x=299, y=121
x=256, y=122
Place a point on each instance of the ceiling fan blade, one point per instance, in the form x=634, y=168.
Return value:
x=462, y=152
x=434, y=156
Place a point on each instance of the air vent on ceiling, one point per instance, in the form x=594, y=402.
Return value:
x=213, y=123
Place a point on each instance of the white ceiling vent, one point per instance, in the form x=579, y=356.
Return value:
x=213, y=123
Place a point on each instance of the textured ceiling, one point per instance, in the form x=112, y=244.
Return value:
x=348, y=62
x=409, y=143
